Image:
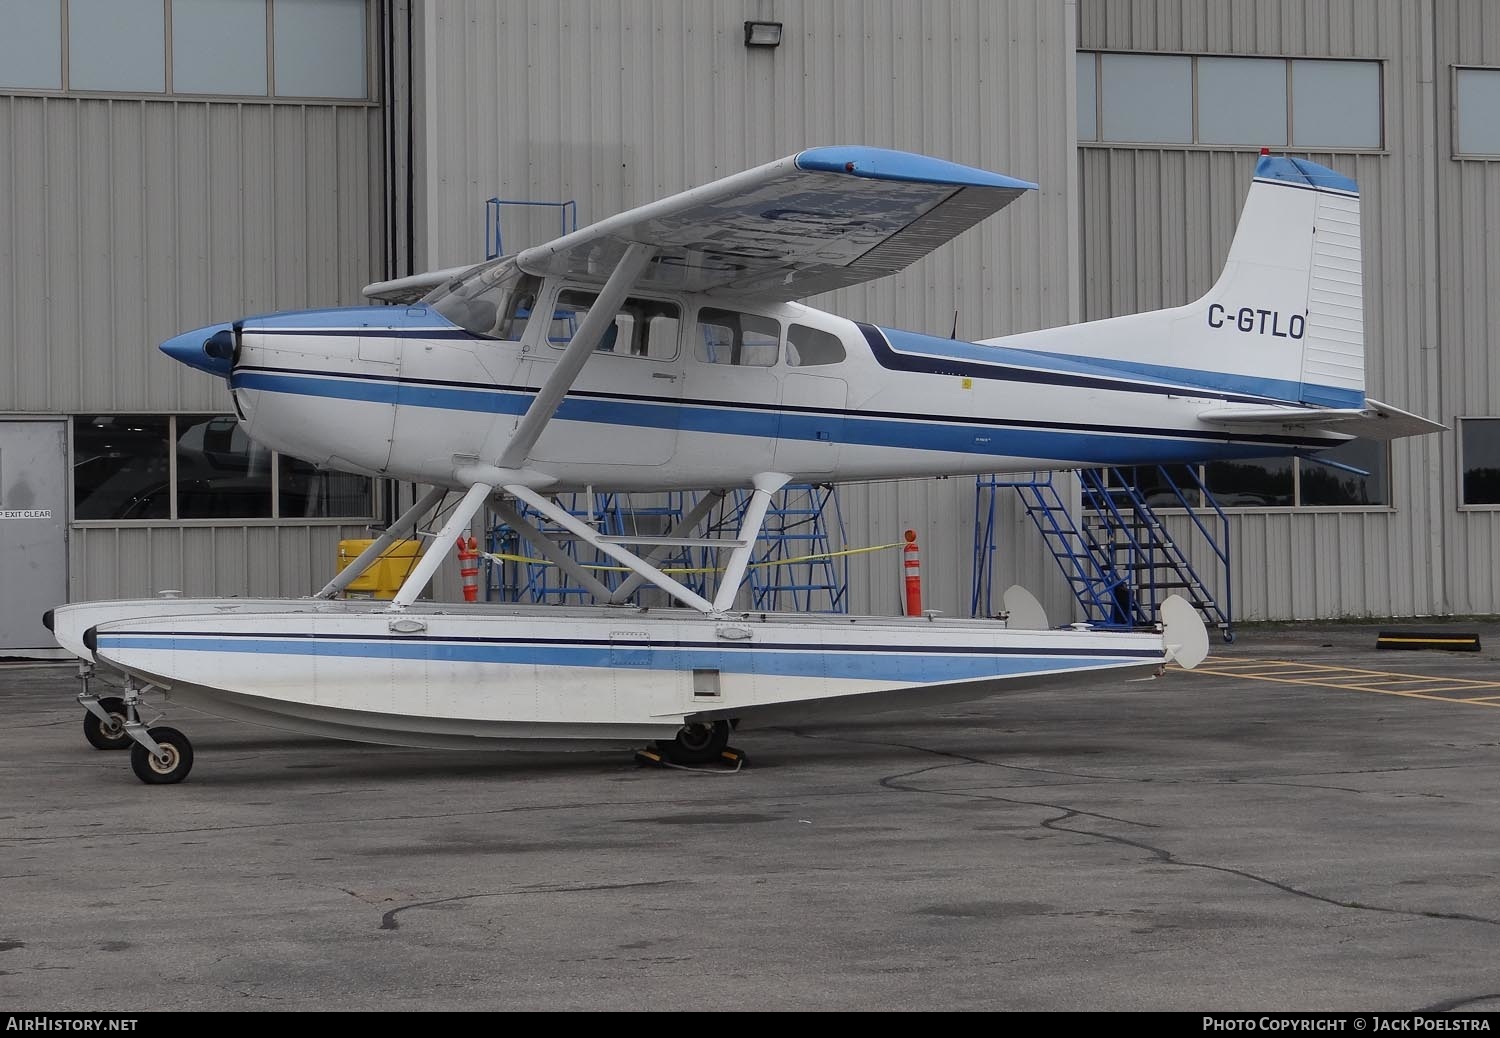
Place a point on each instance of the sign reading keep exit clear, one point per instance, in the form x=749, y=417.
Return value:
x=26, y=513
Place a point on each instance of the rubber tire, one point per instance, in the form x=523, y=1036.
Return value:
x=704, y=743
x=94, y=732
x=150, y=771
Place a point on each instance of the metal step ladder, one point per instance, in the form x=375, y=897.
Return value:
x=1120, y=560
x=1101, y=590
x=1127, y=531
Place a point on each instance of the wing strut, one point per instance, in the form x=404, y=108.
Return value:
x=544, y=544
x=562, y=517
x=685, y=526
x=356, y=569
x=766, y=484
x=601, y=314
x=438, y=550
x=645, y=569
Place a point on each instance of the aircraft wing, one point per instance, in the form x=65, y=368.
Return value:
x=413, y=287
x=818, y=220
x=1374, y=421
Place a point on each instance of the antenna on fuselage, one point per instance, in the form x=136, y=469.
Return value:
x=955, y=325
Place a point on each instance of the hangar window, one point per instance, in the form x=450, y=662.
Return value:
x=117, y=45
x=153, y=467
x=731, y=337
x=219, y=47
x=1476, y=99
x=1241, y=100
x=1479, y=461
x=320, y=48
x=1088, y=98
x=1352, y=475
x=1146, y=97
x=230, y=48
x=1252, y=483
x=1335, y=104
x=31, y=44
x=1223, y=101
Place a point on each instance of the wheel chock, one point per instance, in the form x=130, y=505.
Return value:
x=730, y=758
x=1452, y=641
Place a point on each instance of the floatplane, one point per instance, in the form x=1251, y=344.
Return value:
x=663, y=349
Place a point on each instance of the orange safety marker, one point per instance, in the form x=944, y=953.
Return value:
x=468, y=566
x=912, y=563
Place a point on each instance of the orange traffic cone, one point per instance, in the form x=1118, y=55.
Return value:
x=913, y=565
x=468, y=566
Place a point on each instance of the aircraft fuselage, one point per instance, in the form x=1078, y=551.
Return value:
x=677, y=398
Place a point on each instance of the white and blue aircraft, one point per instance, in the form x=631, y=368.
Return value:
x=663, y=349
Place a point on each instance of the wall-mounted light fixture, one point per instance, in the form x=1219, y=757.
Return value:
x=763, y=34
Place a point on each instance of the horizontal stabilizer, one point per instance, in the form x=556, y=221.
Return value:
x=413, y=287
x=1374, y=421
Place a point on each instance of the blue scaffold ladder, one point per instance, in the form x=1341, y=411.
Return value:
x=1120, y=560
x=803, y=520
x=521, y=576
x=1100, y=590
x=1128, y=530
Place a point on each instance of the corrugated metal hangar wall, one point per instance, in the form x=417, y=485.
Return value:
x=1157, y=221
x=126, y=220
x=128, y=216
x=617, y=104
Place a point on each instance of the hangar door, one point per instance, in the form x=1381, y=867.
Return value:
x=33, y=531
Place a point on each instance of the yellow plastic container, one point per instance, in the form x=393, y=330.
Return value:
x=383, y=578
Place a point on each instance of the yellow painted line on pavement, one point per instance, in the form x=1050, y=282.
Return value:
x=1354, y=679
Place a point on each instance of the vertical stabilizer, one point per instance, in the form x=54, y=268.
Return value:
x=1285, y=319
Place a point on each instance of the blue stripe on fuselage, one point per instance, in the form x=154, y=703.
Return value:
x=912, y=351
x=869, y=663
x=1100, y=443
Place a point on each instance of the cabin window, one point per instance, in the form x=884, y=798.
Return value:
x=493, y=301
x=809, y=347
x=139, y=467
x=731, y=337
x=643, y=327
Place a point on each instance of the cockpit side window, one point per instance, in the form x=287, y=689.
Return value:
x=493, y=301
x=731, y=337
x=642, y=328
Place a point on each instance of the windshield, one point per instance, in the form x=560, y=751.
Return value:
x=494, y=300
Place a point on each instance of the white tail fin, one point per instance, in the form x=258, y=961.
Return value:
x=1284, y=321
